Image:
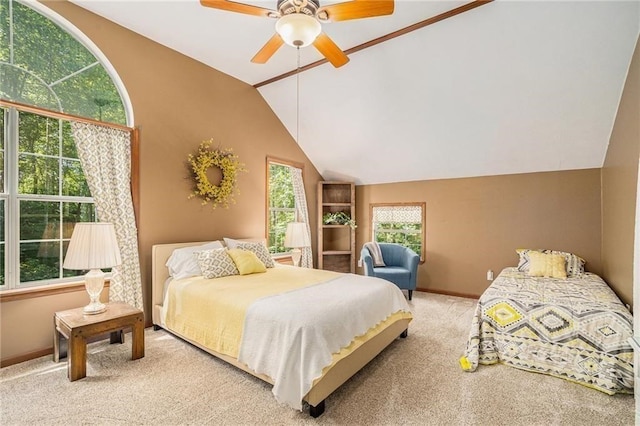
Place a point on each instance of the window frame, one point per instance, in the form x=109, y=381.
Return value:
x=281, y=162
x=13, y=199
x=423, y=207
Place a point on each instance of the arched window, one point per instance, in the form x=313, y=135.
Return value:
x=41, y=64
x=43, y=191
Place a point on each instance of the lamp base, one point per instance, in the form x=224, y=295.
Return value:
x=296, y=254
x=92, y=309
x=94, y=283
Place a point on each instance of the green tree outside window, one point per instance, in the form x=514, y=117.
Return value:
x=281, y=206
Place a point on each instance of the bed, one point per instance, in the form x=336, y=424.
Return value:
x=574, y=328
x=252, y=345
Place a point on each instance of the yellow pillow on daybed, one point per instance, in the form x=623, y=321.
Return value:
x=246, y=261
x=547, y=265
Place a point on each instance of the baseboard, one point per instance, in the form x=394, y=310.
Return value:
x=450, y=293
x=25, y=357
x=49, y=351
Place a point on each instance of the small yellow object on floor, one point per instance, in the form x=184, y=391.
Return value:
x=465, y=363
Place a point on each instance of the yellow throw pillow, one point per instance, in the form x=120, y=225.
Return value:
x=246, y=261
x=547, y=265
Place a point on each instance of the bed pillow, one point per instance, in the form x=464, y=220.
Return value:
x=216, y=263
x=231, y=243
x=547, y=265
x=183, y=264
x=523, y=259
x=246, y=261
x=574, y=263
x=258, y=247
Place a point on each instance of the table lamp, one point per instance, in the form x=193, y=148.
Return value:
x=93, y=246
x=295, y=237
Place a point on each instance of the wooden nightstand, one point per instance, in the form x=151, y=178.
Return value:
x=76, y=327
x=283, y=260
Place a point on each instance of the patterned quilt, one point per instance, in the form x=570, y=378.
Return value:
x=574, y=328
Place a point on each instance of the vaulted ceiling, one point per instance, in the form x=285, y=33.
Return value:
x=508, y=87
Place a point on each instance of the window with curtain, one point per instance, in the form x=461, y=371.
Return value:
x=281, y=204
x=43, y=191
x=44, y=194
x=399, y=223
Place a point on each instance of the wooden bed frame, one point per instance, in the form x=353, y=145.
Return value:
x=333, y=378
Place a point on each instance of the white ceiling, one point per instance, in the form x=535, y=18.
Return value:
x=509, y=87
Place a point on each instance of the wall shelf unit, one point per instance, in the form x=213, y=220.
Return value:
x=336, y=242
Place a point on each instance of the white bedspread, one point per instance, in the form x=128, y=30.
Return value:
x=291, y=337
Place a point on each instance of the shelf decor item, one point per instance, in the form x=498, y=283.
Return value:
x=338, y=218
x=93, y=246
x=220, y=194
x=296, y=237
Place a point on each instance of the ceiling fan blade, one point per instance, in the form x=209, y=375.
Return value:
x=240, y=8
x=330, y=50
x=355, y=9
x=268, y=49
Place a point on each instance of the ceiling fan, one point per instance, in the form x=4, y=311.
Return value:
x=299, y=23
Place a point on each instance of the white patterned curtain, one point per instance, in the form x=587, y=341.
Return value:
x=397, y=214
x=302, y=212
x=105, y=155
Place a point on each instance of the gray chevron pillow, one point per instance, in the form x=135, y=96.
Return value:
x=216, y=263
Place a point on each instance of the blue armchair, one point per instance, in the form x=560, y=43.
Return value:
x=401, y=265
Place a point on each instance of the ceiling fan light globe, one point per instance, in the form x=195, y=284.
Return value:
x=298, y=30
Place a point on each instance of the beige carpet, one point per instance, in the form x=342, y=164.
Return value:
x=415, y=381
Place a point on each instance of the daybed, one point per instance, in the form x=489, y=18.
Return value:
x=311, y=311
x=574, y=328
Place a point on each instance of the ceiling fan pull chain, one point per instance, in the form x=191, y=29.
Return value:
x=298, y=98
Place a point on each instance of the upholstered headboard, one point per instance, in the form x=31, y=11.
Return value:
x=159, y=273
x=160, y=253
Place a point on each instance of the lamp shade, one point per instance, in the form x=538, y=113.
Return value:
x=296, y=235
x=93, y=245
x=298, y=29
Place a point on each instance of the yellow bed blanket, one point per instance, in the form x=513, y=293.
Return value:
x=212, y=311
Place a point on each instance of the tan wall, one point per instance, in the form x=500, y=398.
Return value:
x=475, y=224
x=619, y=186
x=177, y=103
x=27, y=325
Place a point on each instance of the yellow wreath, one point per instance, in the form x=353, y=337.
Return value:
x=228, y=163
